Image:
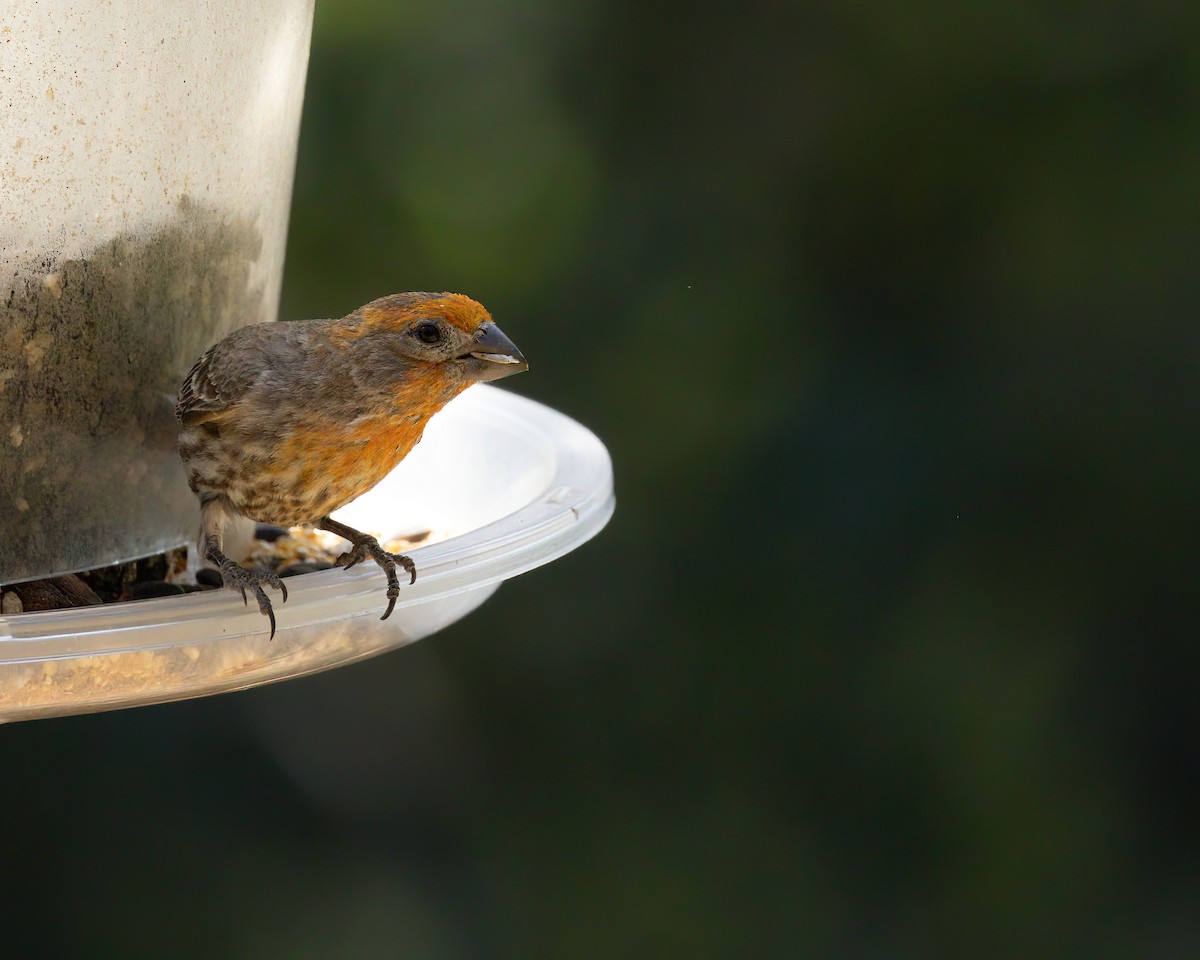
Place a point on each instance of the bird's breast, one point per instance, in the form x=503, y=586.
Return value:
x=333, y=466
x=309, y=471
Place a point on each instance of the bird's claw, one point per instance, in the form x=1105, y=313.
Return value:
x=369, y=547
x=355, y=555
x=237, y=577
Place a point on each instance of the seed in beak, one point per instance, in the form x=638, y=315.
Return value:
x=495, y=357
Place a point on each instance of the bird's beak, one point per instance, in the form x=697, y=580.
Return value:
x=493, y=355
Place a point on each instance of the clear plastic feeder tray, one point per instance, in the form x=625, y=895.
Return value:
x=508, y=483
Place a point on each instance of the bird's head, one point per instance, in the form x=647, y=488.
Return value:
x=451, y=333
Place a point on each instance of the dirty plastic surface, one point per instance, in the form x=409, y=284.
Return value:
x=509, y=483
x=149, y=149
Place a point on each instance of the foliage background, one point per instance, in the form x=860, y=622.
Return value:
x=886, y=313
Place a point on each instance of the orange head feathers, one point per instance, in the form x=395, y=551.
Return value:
x=397, y=308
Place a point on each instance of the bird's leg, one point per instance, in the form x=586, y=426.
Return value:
x=363, y=545
x=235, y=576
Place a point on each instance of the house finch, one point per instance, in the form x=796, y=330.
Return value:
x=286, y=422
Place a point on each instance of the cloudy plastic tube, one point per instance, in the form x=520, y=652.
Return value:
x=148, y=155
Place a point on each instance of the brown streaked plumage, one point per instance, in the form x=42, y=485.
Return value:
x=286, y=422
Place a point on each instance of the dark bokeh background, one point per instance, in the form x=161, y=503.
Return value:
x=887, y=315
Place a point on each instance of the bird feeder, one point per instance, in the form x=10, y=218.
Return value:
x=146, y=159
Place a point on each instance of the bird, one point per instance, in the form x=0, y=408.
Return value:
x=284, y=422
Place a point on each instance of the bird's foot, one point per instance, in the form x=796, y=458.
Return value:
x=239, y=578
x=364, y=546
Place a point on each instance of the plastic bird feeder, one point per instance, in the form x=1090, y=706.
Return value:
x=149, y=150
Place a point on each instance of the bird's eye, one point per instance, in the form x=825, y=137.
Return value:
x=429, y=332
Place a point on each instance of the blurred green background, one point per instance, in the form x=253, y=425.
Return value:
x=886, y=313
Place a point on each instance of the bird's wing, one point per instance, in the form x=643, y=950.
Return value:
x=221, y=377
